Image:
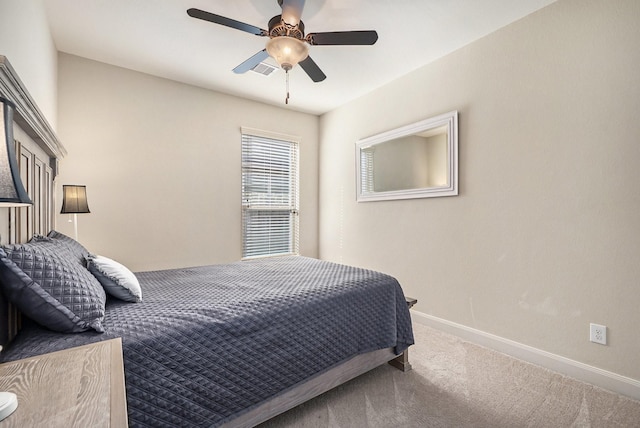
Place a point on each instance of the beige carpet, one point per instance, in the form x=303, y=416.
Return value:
x=458, y=384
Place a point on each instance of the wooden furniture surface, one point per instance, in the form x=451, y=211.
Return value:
x=410, y=301
x=76, y=387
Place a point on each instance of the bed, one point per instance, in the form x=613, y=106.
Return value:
x=219, y=345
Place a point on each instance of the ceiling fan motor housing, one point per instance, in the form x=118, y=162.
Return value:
x=277, y=28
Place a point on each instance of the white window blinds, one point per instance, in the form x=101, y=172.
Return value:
x=269, y=196
x=366, y=170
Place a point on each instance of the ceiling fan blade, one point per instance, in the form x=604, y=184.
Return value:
x=343, y=38
x=227, y=22
x=312, y=69
x=291, y=10
x=251, y=62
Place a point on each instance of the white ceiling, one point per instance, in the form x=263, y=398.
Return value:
x=159, y=38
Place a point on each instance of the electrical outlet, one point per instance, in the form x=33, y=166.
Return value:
x=598, y=333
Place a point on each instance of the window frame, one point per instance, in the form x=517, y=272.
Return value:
x=256, y=206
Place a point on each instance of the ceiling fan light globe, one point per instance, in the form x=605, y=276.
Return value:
x=287, y=51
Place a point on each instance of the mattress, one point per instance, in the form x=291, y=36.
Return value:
x=209, y=343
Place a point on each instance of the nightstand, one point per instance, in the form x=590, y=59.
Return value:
x=76, y=387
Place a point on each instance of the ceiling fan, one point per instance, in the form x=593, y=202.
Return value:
x=287, y=43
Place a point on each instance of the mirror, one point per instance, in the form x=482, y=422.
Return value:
x=419, y=160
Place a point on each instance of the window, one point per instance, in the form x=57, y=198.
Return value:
x=269, y=196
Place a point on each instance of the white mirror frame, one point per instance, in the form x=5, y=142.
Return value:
x=450, y=120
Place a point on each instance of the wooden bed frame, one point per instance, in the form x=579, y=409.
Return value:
x=305, y=391
x=320, y=384
x=38, y=150
x=313, y=387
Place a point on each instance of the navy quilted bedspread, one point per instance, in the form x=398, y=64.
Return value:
x=209, y=343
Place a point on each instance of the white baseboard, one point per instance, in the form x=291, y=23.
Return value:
x=575, y=369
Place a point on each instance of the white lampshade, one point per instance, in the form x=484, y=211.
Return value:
x=287, y=51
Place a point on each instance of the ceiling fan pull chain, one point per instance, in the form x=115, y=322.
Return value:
x=286, y=100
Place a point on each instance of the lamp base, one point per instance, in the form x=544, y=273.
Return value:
x=8, y=404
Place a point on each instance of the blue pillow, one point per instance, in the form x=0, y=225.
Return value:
x=50, y=285
x=74, y=247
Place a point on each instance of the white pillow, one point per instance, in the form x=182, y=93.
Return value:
x=116, y=279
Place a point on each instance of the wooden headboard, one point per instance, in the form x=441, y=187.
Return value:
x=38, y=151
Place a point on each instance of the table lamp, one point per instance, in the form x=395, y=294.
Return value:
x=74, y=201
x=12, y=194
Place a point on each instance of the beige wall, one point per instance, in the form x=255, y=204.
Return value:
x=545, y=234
x=26, y=41
x=161, y=161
